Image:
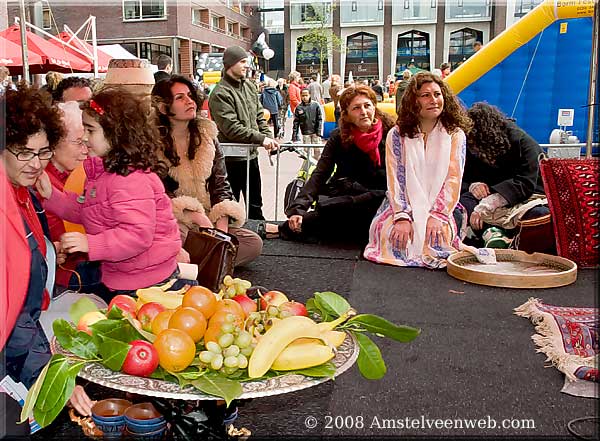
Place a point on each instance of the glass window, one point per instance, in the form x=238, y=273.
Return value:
x=46, y=18
x=130, y=47
x=143, y=9
x=461, y=45
x=522, y=7
x=353, y=11
x=215, y=22
x=308, y=13
x=468, y=9
x=307, y=58
x=362, y=56
x=413, y=52
x=273, y=21
x=151, y=51
x=414, y=10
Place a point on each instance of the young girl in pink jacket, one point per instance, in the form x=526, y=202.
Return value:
x=128, y=219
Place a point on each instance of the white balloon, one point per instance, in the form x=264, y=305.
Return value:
x=268, y=53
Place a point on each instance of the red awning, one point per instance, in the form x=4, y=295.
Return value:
x=11, y=55
x=54, y=58
x=103, y=57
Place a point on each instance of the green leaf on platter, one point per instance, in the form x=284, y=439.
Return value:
x=219, y=386
x=33, y=393
x=320, y=371
x=311, y=307
x=113, y=353
x=115, y=313
x=370, y=363
x=146, y=335
x=54, y=384
x=119, y=330
x=190, y=375
x=322, y=312
x=81, y=307
x=77, y=342
x=379, y=325
x=333, y=304
x=161, y=374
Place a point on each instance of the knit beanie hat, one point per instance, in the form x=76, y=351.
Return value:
x=232, y=55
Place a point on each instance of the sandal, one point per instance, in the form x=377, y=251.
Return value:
x=267, y=231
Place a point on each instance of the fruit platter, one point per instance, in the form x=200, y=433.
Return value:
x=194, y=344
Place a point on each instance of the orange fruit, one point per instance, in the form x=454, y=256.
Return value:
x=232, y=307
x=212, y=333
x=161, y=321
x=176, y=350
x=201, y=298
x=189, y=320
x=219, y=318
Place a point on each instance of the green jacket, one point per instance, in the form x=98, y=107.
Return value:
x=235, y=108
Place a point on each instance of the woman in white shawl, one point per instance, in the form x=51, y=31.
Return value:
x=425, y=156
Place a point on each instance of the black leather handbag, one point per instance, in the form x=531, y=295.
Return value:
x=214, y=251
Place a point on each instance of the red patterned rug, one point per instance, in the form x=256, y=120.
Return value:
x=567, y=335
x=572, y=189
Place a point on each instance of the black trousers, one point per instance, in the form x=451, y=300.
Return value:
x=236, y=173
x=10, y=414
x=275, y=120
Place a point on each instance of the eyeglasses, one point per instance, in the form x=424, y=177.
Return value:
x=78, y=142
x=26, y=155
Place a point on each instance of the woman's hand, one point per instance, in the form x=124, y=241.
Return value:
x=73, y=242
x=81, y=402
x=295, y=223
x=201, y=219
x=435, y=233
x=61, y=256
x=480, y=190
x=223, y=224
x=402, y=232
x=475, y=221
x=43, y=186
x=183, y=256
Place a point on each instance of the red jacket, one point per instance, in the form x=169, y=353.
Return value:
x=129, y=224
x=15, y=258
x=294, y=92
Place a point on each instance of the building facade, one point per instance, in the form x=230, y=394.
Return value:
x=383, y=37
x=182, y=29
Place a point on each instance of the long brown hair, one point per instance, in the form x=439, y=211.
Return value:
x=346, y=98
x=453, y=115
x=133, y=141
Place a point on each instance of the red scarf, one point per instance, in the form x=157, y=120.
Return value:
x=369, y=141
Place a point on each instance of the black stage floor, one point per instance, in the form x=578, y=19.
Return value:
x=473, y=360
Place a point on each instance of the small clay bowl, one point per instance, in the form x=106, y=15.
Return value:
x=110, y=409
x=143, y=414
x=147, y=436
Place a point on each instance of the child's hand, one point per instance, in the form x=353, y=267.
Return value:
x=73, y=242
x=201, y=219
x=43, y=186
x=81, y=402
x=61, y=256
x=183, y=256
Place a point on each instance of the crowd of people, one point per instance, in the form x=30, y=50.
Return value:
x=407, y=188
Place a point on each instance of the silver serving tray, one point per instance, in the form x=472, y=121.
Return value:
x=345, y=357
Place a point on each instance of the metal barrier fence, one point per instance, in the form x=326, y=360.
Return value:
x=243, y=150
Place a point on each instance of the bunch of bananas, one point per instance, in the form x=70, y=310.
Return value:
x=293, y=343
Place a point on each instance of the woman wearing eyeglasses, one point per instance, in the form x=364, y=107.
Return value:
x=33, y=130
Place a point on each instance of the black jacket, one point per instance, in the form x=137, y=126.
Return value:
x=160, y=75
x=516, y=175
x=27, y=350
x=271, y=100
x=308, y=118
x=355, y=175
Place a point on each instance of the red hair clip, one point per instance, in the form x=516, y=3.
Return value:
x=94, y=105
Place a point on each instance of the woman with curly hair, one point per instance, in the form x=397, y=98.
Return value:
x=197, y=176
x=501, y=175
x=349, y=181
x=415, y=225
x=127, y=216
x=33, y=130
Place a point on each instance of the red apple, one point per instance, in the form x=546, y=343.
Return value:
x=247, y=304
x=88, y=319
x=141, y=360
x=147, y=313
x=274, y=298
x=125, y=303
x=294, y=308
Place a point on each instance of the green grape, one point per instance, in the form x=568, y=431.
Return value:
x=247, y=351
x=273, y=311
x=231, y=351
x=206, y=356
x=227, y=328
x=230, y=291
x=254, y=316
x=227, y=280
x=229, y=318
x=230, y=361
x=260, y=327
x=216, y=362
x=246, y=284
x=226, y=340
x=242, y=361
x=213, y=347
x=229, y=370
x=243, y=340
x=285, y=314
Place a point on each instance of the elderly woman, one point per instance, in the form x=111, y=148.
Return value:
x=197, y=177
x=415, y=225
x=502, y=182
x=355, y=154
x=33, y=130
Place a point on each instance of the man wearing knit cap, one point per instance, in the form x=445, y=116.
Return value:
x=236, y=109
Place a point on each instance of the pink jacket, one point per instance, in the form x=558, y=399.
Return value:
x=129, y=224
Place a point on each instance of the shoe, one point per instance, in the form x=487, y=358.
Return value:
x=495, y=237
x=267, y=231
